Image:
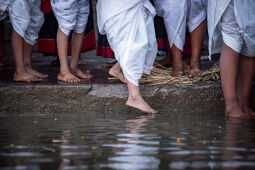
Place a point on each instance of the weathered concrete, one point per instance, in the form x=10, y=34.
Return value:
x=99, y=93
x=60, y=98
x=44, y=98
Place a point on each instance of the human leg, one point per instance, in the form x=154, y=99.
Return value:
x=245, y=81
x=197, y=37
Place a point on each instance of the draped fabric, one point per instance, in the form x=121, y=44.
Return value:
x=129, y=27
x=244, y=12
x=47, y=36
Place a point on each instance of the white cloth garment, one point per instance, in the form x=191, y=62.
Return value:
x=232, y=22
x=177, y=15
x=197, y=10
x=26, y=17
x=71, y=14
x=129, y=27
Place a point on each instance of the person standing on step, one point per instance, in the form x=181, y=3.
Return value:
x=129, y=27
x=231, y=27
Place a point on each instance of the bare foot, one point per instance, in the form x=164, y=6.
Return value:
x=77, y=72
x=140, y=104
x=35, y=73
x=25, y=77
x=194, y=71
x=249, y=111
x=68, y=77
x=177, y=69
x=236, y=112
x=177, y=74
x=116, y=72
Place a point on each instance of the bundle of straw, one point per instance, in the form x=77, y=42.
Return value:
x=161, y=76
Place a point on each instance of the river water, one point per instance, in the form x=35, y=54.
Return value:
x=126, y=140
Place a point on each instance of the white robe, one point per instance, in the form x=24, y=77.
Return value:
x=245, y=17
x=26, y=17
x=71, y=14
x=177, y=15
x=129, y=27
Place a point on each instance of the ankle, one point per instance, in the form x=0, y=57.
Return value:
x=232, y=106
x=195, y=64
x=64, y=71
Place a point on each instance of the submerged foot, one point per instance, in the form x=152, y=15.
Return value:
x=194, y=71
x=249, y=111
x=68, y=77
x=77, y=72
x=237, y=112
x=140, y=104
x=118, y=74
x=35, y=73
x=25, y=77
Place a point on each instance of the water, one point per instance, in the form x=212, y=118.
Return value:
x=87, y=140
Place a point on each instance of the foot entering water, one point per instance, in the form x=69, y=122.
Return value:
x=140, y=104
x=35, y=73
x=115, y=71
x=25, y=77
x=68, y=77
x=77, y=72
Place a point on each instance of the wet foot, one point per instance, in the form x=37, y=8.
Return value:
x=139, y=104
x=25, y=77
x=81, y=74
x=237, y=112
x=35, y=73
x=115, y=72
x=194, y=71
x=249, y=111
x=68, y=77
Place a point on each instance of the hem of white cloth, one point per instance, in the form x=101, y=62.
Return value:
x=79, y=30
x=193, y=24
x=232, y=45
x=135, y=82
x=64, y=30
x=178, y=43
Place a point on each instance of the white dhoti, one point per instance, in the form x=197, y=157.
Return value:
x=26, y=18
x=71, y=14
x=197, y=10
x=129, y=27
x=174, y=13
x=232, y=22
x=177, y=15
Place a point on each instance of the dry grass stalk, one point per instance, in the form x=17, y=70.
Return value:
x=161, y=76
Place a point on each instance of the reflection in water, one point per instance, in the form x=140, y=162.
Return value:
x=137, y=152
x=238, y=145
x=183, y=140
